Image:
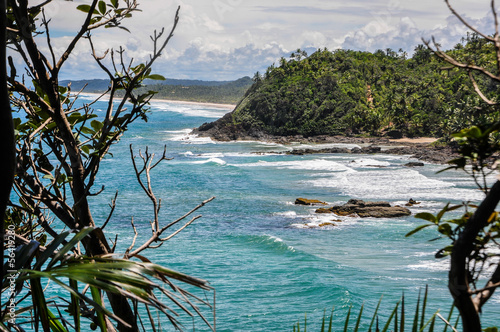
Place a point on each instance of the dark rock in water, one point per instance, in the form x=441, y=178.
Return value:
x=414, y=164
x=306, y=201
x=323, y=210
x=367, y=150
x=312, y=151
x=412, y=202
x=325, y=224
x=367, y=209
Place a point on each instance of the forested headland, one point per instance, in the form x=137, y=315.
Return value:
x=345, y=92
x=222, y=92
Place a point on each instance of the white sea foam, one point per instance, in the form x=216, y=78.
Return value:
x=193, y=139
x=430, y=265
x=368, y=163
x=177, y=135
x=393, y=185
x=211, y=155
x=276, y=239
x=211, y=160
x=286, y=214
x=313, y=165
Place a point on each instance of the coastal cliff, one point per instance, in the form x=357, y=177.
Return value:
x=352, y=94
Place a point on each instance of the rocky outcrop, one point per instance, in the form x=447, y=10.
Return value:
x=414, y=164
x=306, y=201
x=367, y=209
x=412, y=202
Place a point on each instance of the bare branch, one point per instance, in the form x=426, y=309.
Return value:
x=479, y=92
x=483, y=295
x=112, y=206
x=467, y=24
x=156, y=236
x=458, y=64
x=49, y=41
x=135, y=238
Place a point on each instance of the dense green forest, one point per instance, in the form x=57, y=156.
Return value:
x=348, y=92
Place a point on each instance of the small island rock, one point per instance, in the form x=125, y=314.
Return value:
x=306, y=201
x=367, y=209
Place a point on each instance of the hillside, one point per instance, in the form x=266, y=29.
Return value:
x=225, y=92
x=359, y=93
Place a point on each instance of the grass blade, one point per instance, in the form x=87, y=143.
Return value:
x=386, y=327
x=415, y=319
x=402, y=326
x=331, y=320
x=424, y=304
x=75, y=305
x=449, y=318
x=347, y=319
x=359, y=318
x=96, y=296
x=323, y=322
x=70, y=245
x=40, y=305
x=375, y=313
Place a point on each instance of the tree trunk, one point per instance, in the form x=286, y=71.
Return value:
x=7, y=141
x=458, y=277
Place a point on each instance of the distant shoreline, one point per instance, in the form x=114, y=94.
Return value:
x=225, y=106
x=228, y=106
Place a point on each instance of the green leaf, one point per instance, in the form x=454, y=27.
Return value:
x=102, y=7
x=87, y=131
x=63, y=90
x=445, y=229
x=39, y=303
x=426, y=216
x=375, y=313
x=491, y=329
x=114, y=3
x=386, y=327
x=51, y=248
x=359, y=318
x=86, y=149
x=86, y=9
x=96, y=296
x=97, y=125
x=48, y=176
x=346, y=324
x=418, y=229
x=69, y=246
x=55, y=324
x=156, y=77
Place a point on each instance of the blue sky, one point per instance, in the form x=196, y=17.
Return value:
x=228, y=39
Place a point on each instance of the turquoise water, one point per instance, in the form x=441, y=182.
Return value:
x=267, y=258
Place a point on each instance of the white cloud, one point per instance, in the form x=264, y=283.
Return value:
x=226, y=39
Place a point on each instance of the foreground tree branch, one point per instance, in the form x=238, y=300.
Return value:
x=148, y=164
x=60, y=146
x=474, y=232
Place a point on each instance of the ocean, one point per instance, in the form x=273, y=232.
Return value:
x=268, y=260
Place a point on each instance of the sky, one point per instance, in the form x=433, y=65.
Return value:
x=229, y=39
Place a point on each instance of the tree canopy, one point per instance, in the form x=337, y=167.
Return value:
x=347, y=92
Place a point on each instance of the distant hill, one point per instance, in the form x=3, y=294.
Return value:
x=224, y=92
x=229, y=92
x=95, y=85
